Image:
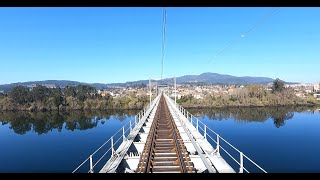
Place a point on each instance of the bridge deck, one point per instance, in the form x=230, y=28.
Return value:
x=165, y=141
x=164, y=150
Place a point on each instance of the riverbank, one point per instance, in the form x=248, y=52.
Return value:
x=249, y=97
x=249, y=106
x=82, y=97
x=116, y=104
x=84, y=107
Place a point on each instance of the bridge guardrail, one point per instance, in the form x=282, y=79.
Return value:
x=206, y=131
x=114, y=143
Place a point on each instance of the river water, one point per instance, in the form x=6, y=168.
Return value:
x=278, y=139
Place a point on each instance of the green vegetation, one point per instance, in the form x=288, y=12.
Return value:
x=278, y=85
x=251, y=95
x=41, y=98
x=84, y=97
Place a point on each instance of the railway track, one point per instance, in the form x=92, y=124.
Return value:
x=164, y=151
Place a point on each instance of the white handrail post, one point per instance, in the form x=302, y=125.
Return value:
x=197, y=124
x=130, y=126
x=191, y=121
x=123, y=134
x=135, y=120
x=241, y=163
x=205, y=132
x=150, y=90
x=175, y=90
x=91, y=168
x=112, y=150
x=218, y=145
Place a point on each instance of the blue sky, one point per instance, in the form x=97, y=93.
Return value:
x=124, y=44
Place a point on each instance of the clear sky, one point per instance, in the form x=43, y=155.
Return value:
x=108, y=45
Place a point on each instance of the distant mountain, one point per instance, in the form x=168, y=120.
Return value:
x=204, y=78
x=50, y=83
x=215, y=78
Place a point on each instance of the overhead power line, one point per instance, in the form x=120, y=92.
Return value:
x=236, y=40
x=163, y=37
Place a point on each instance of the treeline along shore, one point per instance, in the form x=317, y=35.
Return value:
x=249, y=97
x=81, y=97
x=252, y=96
x=84, y=97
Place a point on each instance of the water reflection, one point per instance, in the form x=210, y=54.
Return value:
x=244, y=115
x=43, y=122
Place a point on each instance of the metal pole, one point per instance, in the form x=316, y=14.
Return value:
x=205, y=132
x=218, y=145
x=175, y=90
x=130, y=126
x=91, y=168
x=241, y=163
x=112, y=150
x=135, y=120
x=123, y=134
x=150, y=88
x=197, y=124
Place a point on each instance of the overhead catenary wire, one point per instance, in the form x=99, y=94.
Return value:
x=164, y=14
x=236, y=40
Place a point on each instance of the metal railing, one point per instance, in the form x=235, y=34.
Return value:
x=206, y=131
x=114, y=143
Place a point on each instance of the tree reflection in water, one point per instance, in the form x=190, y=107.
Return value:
x=248, y=114
x=22, y=122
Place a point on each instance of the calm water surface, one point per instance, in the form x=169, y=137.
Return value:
x=278, y=139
